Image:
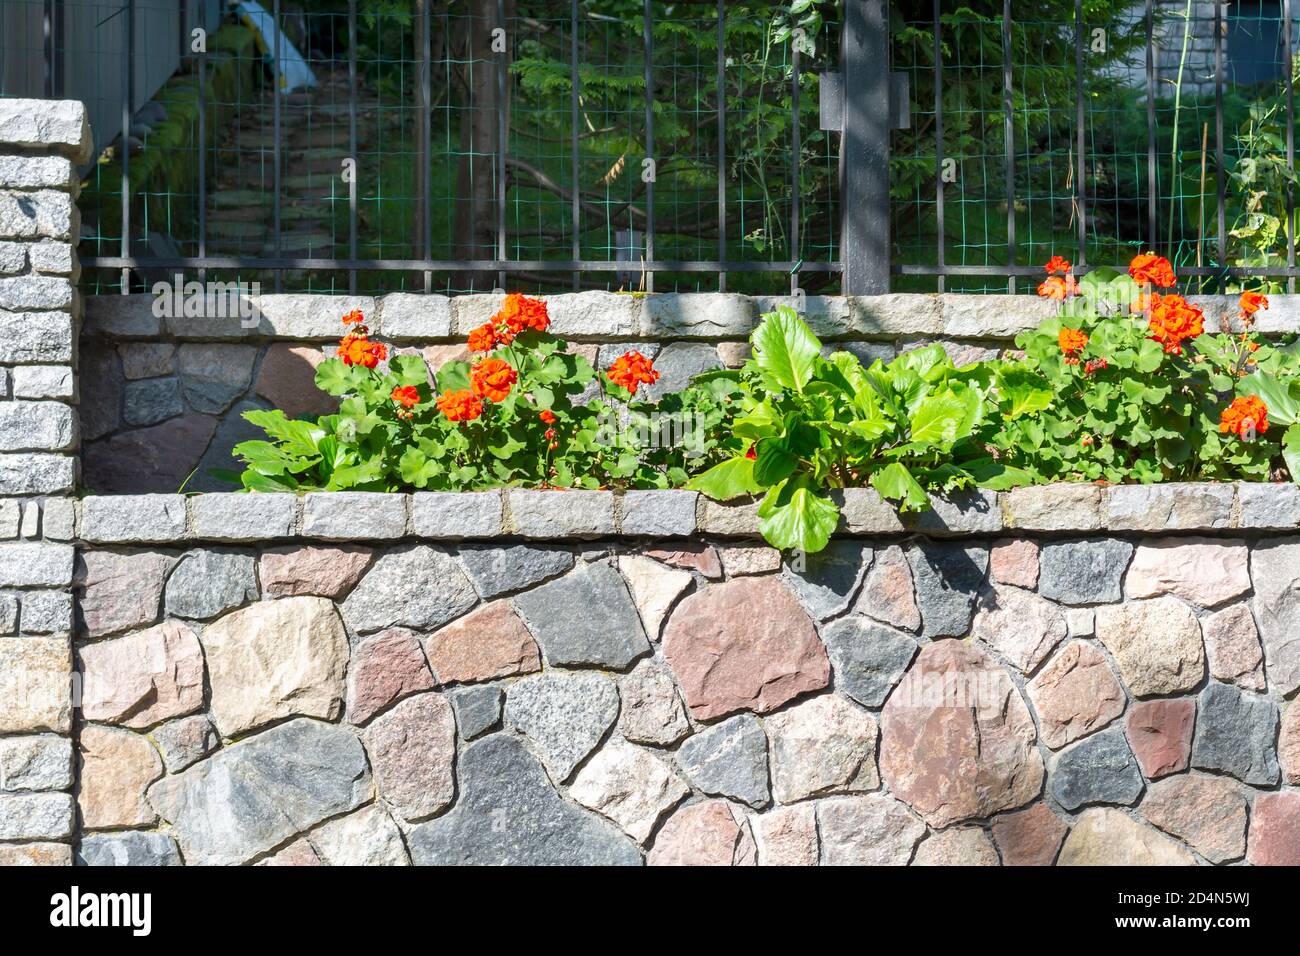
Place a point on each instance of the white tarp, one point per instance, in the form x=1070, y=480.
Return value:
x=292, y=72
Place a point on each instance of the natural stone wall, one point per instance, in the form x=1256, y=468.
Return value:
x=163, y=396
x=524, y=678
x=39, y=144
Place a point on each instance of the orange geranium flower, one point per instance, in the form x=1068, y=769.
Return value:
x=1058, y=287
x=631, y=369
x=1057, y=264
x=520, y=312
x=492, y=379
x=1149, y=267
x=1252, y=302
x=460, y=406
x=483, y=339
x=1174, y=320
x=1246, y=417
x=547, y=416
x=355, y=317
x=359, y=350
x=1072, y=341
x=407, y=396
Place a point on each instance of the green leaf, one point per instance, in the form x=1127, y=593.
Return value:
x=1022, y=391
x=453, y=376
x=1282, y=398
x=792, y=516
x=938, y=418
x=785, y=350
x=896, y=483
x=729, y=479
x=775, y=462
x=409, y=369
x=1291, y=451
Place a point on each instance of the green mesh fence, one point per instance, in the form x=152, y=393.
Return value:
x=728, y=183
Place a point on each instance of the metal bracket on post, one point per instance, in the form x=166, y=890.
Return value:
x=867, y=110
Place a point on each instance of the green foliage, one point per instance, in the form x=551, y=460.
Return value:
x=808, y=424
x=1124, y=409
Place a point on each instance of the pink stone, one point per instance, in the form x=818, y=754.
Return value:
x=1201, y=571
x=959, y=846
x=888, y=593
x=1015, y=562
x=1206, y=813
x=1275, y=830
x=287, y=380
x=1075, y=694
x=412, y=749
x=702, y=834
x=1029, y=837
x=385, y=668
x=1289, y=743
x=744, y=645
x=322, y=570
x=143, y=678
x=1160, y=733
x=695, y=557
x=120, y=591
x=787, y=836
x=1232, y=646
x=491, y=642
x=297, y=853
x=957, y=741
x=35, y=854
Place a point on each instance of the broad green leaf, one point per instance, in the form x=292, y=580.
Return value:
x=1023, y=392
x=335, y=378
x=896, y=483
x=785, y=350
x=453, y=376
x=409, y=369
x=1282, y=398
x=774, y=463
x=1291, y=451
x=938, y=418
x=794, y=517
x=729, y=479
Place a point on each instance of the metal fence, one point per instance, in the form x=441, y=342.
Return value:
x=853, y=147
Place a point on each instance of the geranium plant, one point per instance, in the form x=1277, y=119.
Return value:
x=1141, y=392
x=507, y=417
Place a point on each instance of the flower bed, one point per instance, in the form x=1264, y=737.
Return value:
x=1123, y=385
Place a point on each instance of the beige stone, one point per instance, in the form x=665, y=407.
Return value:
x=276, y=659
x=1202, y=571
x=35, y=684
x=962, y=846
x=655, y=588
x=1233, y=648
x=1019, y=625
x=1156, y=643
x=117, y=767
x=1105, y=836
x=629, y=784
x=1075, y=694
x=786, y=836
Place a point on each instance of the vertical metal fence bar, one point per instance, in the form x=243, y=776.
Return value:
x=1220, y=184
x=202, y=144
x=648, y=41
x=1009, y=152
x=795, y=169
x=722, y=143
x=575, y=210
x=1080, y=192
x=1290, y=142
x=275, y=145
x=128, y=96
x=938, y=145
x=353, y=149
x=60, y=55
x=426, y=139
x=503, y=143
x=1152, y=207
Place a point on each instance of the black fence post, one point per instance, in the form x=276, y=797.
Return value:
x=864, y=149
